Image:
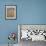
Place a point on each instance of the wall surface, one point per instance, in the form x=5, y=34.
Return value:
x=28, y=12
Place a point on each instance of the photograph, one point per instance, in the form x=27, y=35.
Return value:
x=10, y=11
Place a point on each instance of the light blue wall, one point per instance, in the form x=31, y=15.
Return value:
x=28, y=12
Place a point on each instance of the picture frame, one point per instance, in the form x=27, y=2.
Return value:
x=10, y=12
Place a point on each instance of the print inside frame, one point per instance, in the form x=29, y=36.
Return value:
x=10, y=12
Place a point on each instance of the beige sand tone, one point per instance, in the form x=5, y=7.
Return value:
x=10, y=12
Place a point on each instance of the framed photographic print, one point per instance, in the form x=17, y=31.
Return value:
x=10, y=12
